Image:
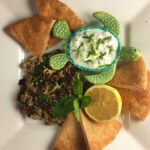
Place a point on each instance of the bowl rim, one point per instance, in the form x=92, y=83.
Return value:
x=101, y=68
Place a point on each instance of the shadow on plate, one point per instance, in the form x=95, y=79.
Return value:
x=138, y=33
x=54, y=139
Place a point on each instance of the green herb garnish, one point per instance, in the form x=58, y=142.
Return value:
x=89, y=38
x=102, y=55
x=85, y=101
x=105, y=39
x=68, y=104
x=72, y=103
x=76, y=109
x=91, y=51
x=111, y=49
x=60, y=110
x=78, y=87
x=85, y=37
x=88, y=61
x=92, y=48
x=78, y=50
x=98, y=43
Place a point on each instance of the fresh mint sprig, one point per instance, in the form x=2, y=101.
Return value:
x=78, y=87
x=76, y=109
x=72, y=103
x=63, y=107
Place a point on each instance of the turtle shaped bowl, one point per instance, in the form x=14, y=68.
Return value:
x=86, y=68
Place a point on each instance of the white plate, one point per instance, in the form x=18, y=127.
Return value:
x=19, y=134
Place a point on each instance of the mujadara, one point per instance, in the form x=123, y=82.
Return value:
x=42, y=87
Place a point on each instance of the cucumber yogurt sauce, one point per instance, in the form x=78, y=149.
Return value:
x=93, y=48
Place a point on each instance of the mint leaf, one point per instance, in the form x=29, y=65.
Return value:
x=59, y=110
x=78, y=87
x=72, y=103
x=69, y=104
x=76, y=109
x=85, y=101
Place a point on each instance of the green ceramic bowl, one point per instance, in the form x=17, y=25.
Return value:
x=102, y=68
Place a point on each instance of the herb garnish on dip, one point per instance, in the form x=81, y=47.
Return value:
x=93, y=47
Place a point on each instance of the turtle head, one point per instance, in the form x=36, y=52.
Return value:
x=130, y=54
x=136, y=51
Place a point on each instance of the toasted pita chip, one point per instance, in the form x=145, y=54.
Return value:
x=58, y=10
x=70, y=137
x=137, y=101
x=53, y=41
x=132, y=75
x=99, y=135
x=32, y=33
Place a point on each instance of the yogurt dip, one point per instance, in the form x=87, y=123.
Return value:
x=93, y=48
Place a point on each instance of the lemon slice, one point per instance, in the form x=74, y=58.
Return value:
x=106, y=103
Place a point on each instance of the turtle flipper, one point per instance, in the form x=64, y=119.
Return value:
x=103, y=77
x=61, y=29
x=130, y=54
x=108, y=20
x=64, y=45
x=58, y=61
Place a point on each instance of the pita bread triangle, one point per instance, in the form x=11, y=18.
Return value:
x=132, y=75
x=59, y=11
x=32, y=33
x=70, y=137
x=53, y=41
x=137, y=101
x=99, y=135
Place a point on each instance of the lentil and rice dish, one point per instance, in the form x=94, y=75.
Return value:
x=41, y=87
